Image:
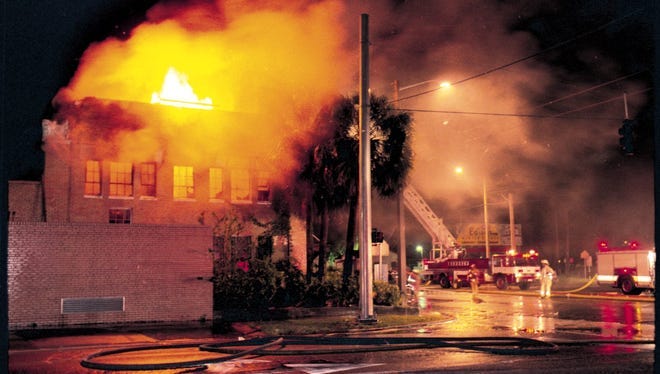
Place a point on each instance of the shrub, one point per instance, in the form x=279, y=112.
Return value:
x=267, y=285
x=291, y=285
x=254, y=289
x=386, y=294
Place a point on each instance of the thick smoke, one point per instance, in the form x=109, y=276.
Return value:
x=279, y=62
x=556, y=168
x=267, y=67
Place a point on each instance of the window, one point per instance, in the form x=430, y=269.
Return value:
x=93, y=178
x=148, y=179
x=121, y=179
x=215, y=183
x=238, y=247
x=120, y=215
x=264, y=247
x=240, y=185
x=184, y=187
x=263, y=188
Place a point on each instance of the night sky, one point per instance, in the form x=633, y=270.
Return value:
x=42, y=42
x=583, y=44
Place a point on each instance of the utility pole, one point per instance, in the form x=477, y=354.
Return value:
x=486, y=236
x=512, y=223
x=366, y=280
x=402, y=221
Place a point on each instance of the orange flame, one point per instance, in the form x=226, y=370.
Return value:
x=176, y=91
x=260, y=71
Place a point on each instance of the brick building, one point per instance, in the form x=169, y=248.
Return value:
x=119, y=229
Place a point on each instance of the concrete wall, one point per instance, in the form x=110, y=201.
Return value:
x=161, y=272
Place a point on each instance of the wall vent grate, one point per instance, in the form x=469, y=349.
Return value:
x=92, y=304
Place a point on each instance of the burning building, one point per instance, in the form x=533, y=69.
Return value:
x=120, y=228
x=184, y=117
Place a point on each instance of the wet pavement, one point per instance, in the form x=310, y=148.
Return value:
x=566, y=317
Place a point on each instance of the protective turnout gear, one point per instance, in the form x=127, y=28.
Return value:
x=548, y=274
x=473, y=278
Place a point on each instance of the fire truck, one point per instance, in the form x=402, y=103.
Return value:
x=629, y=268
x=512, y=268
x=448, y=264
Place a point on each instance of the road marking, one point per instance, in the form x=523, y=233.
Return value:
x=327, y=368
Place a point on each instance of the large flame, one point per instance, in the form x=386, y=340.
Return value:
x=176, y=91
x=268, y=67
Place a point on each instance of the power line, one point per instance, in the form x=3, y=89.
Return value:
x=560, y=44
x=560, y=115
x=589, y=89
x=600, y=103
x=504, y=114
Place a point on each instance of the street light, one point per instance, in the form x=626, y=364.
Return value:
x=512, y=226
x=459, y=170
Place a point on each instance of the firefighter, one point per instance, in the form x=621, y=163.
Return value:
x=412, y=285
x=547, y=275
x=473, y=278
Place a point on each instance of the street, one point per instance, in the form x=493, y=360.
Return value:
x=602, y=332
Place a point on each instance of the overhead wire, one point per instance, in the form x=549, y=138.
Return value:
x=559, y=115
x=492, y=70
x=588, y=89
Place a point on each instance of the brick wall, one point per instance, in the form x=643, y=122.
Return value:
x=25, y=201
x=154, y=268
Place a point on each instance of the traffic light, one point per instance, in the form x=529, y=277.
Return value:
x=376, y=236
x=627, y=136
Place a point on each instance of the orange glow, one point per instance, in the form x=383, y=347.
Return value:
x=265, y=70
x=176, y=91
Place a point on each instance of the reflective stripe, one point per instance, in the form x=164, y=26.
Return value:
x=607, y=278
x=643, y=278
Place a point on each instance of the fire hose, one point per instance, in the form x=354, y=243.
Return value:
x=280, y=346
x=589, y=283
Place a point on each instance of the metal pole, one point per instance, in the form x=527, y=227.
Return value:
x=512, y=223
x=486, y=238
x=366, y=284
x=380, y=261
x=402, y=220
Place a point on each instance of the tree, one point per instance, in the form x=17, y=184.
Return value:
x=332, y=167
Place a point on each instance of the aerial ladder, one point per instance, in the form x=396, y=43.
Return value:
x=442, y=239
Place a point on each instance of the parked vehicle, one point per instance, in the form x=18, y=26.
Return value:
x=629, y=268
x=503, y=270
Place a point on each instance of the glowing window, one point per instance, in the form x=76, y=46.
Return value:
x=215, y=183
x=120, y=215
x=184, y=182
x=121, y=179
x=148, y=179
x=263, y=188
x=93, y=178
x=240, y=185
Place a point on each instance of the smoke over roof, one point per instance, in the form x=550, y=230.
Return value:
x=281, y=61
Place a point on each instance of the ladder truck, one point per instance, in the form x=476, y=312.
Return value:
x=448, y=265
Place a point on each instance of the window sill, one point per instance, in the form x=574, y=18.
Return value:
x=121, y=197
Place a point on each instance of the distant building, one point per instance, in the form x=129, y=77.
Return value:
x=120, y=228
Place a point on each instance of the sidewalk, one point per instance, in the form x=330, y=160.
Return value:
x=147, y=334
x=137, y=334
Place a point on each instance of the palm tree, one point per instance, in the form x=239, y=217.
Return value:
x=332, y=168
